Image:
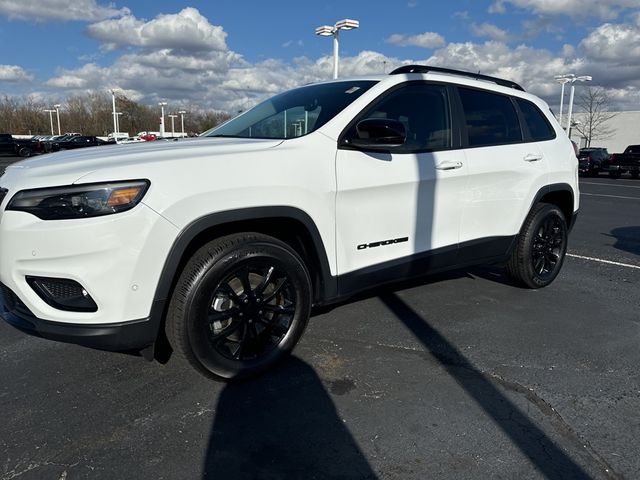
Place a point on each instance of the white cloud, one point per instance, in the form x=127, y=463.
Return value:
x=187, y=30
x=603, y=9
x=491, y=31
x=14, y=73
x=425, y=40
x=59, y=10
x=614, y=44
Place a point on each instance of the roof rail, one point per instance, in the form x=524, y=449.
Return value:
x=462, y=73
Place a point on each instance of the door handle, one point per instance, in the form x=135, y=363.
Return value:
x=449, y=165
x=533, y=157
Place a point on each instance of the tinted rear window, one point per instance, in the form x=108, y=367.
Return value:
x=539, y=127
x=491, y=118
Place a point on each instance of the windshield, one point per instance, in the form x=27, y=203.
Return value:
x=293, y=113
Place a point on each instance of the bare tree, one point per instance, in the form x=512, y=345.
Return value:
x=594, y=102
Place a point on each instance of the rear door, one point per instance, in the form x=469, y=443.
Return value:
x=505, y=171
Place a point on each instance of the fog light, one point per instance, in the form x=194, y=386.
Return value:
x=63, y=294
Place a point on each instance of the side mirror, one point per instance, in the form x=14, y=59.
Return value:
x=378, y=134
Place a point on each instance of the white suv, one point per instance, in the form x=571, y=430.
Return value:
x=225, y=243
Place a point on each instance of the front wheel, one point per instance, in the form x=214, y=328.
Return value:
x=540, y=247
x=24, y=152
x=615, y=173
x=241, y=304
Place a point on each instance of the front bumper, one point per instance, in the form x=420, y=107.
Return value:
x=118, y=337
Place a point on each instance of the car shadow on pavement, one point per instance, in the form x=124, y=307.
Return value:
x=627, y=239
x=282, y=425
x=547, y=457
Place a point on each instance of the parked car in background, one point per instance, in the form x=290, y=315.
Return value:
x=17, y=147
x=77, y=142
x=628, y=161
x=593, y=160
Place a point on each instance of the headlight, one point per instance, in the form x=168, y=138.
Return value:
x=79, y=201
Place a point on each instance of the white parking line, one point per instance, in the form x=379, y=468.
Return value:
x=600, y=260
x=609, y=184
x=610, y=196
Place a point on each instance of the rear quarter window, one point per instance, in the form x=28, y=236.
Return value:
x=539, y=127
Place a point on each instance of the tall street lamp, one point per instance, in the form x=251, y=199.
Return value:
x=173, y=127
x=182, y=112
x=329, y=31
x=162, y=105
x=51, y=119
x=584, y=78
x=563, y=80
x=118, y=124
x=57, y=107
x=115, y=116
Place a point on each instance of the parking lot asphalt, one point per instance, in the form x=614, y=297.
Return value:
x=458, y=376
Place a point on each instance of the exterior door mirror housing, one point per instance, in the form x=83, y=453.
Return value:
x=378, y=134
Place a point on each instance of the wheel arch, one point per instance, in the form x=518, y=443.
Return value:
x=560, y=195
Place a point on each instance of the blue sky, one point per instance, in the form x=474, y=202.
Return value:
x=227, y=55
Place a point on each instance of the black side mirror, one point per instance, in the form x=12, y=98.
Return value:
x=378, y=134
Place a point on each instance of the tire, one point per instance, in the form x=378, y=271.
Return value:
x=240, y=305
x=635, y=174
x=24, y=152
x=540, y=247
x=615, y=174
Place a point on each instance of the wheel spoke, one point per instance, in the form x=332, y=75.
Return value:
x=279, y=309
x=243, y=276
x=265, y=281
x=242, y=342
x=216, y=316
x=227, y=290
x=276, y=290
x=225, y=333
x=275, y=327
x=539, y=264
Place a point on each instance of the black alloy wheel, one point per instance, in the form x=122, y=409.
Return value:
x=240, y=305
x=547, y=246
x=540, y=247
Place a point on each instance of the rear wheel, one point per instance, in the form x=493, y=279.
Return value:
x=24, y=152
x=635, y=174
x=615, y=174
x=540, y=247
x=241, y=303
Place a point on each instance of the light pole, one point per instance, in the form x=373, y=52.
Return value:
x=584, y=78
x=162, y=105
x=118, y=123
x=57, y=107
x=51, y=119
x=182, y=112
x=115, y=116
x=173, y=127
x=329, y=31
x=563, y=80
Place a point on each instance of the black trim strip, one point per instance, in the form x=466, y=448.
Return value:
x=486, y=250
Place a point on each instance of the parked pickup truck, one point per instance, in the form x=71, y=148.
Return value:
x=16, y=147
x=628, y=161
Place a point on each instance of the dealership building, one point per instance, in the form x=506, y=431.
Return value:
x=624, y=127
